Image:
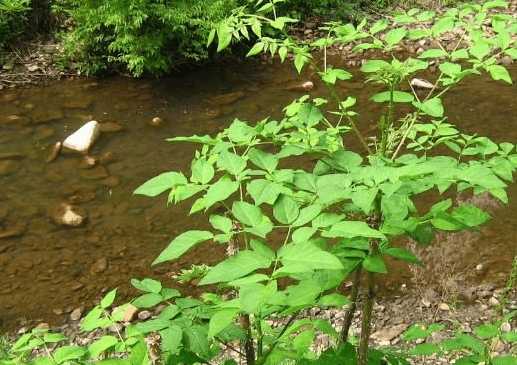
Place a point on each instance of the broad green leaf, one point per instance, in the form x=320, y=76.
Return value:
x=371, y=66
x=433, y=53
x=398, y=97
x=432, y=107
x=305, y=257
x=219, y=191
x=108, y=299
x=333, y=300
x=221, y=223
x=247, y=213
x=486, y=331
x=160, y=184
x=171, y=338
x=504, y=360
x=498, y=72
x=350, y=229
x=264, y=160
x=394, y=36
x=182, y=244
x=256, y=49
x=480, y=50
x=236, y=267
x=264, y=191
x=470, y=215
x=101, y=345
x=307, y=214
x=220, y=320
x=147, y=285
x=202, y=171
x=364, y=199
x=224, y=35
x=196, y=340
x=68, y=353
x=286, y=210
x=148, y=300
x=402, y=254
x=231, y=162
x=303, y=234
x=424, y=349
x=309, y=114
x=375, y=264
x=262, y=249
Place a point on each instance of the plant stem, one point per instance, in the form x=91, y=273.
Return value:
x=270, y=350
x=366, y=324
x=349, y=316
x=249, y=349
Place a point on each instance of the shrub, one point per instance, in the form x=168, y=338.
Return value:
x=12, y=19
x=140, y=36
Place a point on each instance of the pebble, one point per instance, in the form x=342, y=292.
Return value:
x=386, y=335
x=57, y=311
x=143, y=315
x=99, y=266
x=76, y=314
x=479, y=267
x=506, y=327
x=155, y=122
x=304, y=86
x=54, y=152
x=43, y=326
x=111, y=182
x=421, y=84
x=8, y=167
x=83, y=138
x=67, y=215
x=106, y=158
x=12, y=232
x=493, y=302
x=111, y=127
x=130, y=313
x=228, y=98
x=87, y=162
x=444, y=307
x=96, y=173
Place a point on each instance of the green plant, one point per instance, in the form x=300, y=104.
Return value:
x=12, y=19
x=470, y=349
x=148, y=36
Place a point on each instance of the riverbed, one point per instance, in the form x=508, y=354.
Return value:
x=49, y=270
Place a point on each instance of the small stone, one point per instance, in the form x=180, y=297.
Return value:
x=386, y=335
x=57, y=311
x=12, y=232
x=99, y=266
x=13, y=119
x=82, y=139
x=54, y=152
x=43, y=326
x=156, y=122
x=479, y=267
x=111, y=127
x=426, y=303
x=304, y=86
x=144, y=315
x=32, y=68
x=444, y=307
x=421, y=84
x=493, y=302
x=116, y=328
x=76, y=314
x=106, y=158
x=66, y=215
x=506, y=327
x=506, y=60
x=130, y=313
x=498, y=346
x=8, y=167
x=228, y=98
x=96, y=173
x=87, y=162
x=76, y=286
x=43, y=133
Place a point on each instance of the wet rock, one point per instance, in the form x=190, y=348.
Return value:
x=82, y=139
x=11, y=156
x=506, y=60
x=76, y=286
x=87, y=162
x=12, y=232
x=76, y=314
x=144, y=315
x=67, y=215
x=155, y=122
x=96, y=173
x=106, y=158
x=43, y=326
x=304, y=86
x=386, y=335
x=111, y=127
x=8, y=167
x=228, y=98
x=57, y=311
x=479, y=267
x=493, y=302
x=421, y=84
x=78, y=103
x=29, y=106
x=99, y=266
x=47, y=115
x=54, y=152
x=13, y=119
x=82, y=196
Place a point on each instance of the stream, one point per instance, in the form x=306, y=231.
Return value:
x=48, y=270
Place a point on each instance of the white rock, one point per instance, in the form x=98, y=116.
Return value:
x=422, y=84
x=82, y=139
x=65, y=215
x=386, y=335
x=493, y=302
x=444, y=307
x=506, y=327
x=76, y=314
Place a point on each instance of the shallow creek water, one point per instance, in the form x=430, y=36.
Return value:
x=48, y=270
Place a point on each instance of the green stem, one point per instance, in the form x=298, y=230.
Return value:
x=349, y=316
x=275, y=342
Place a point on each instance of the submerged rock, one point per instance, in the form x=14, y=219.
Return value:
x=228, y=98
x=67, y=215
x=155, y=122
x=87, y=162
x=304, y=86
x=99, y=266
x=47, y=115
x=82, y=139
x=13, y=119
x=12, y=232
x=111, y=127
x=54, y=152
x=421, y=84
x=8, y=167
x=95, y=173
